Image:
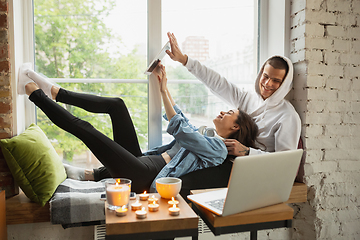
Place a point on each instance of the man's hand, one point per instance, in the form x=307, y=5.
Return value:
x=235, y=148
x=175, y=53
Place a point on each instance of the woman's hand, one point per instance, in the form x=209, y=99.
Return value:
x=162, y=78
x=175, y=53
x=165, y=94
x=235, y=148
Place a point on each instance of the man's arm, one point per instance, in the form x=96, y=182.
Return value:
x=218, y=84
x=285, y=137
x=175, y=53
x=235, y=148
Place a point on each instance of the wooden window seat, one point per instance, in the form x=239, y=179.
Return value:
x=298, y=192
x=19, y=209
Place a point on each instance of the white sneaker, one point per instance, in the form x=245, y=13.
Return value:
x=23, y=78
x=44, y=83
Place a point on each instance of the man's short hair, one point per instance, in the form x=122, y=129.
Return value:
x=278, y=63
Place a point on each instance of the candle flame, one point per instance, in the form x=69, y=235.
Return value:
x=154, y=202
x=174, y=206
x=143, y=209
x=137, y=201
x=123, y=207
x=153, y=196
x=144, y=192
x=172, y=198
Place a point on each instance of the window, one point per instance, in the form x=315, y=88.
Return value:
x=101, y=47
x=220, y=34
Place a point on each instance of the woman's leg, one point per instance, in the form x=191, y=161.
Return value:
x=118, y=161
x=122, y=126
x=123, y=129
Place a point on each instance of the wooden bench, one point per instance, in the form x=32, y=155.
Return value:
x=3, y=229
x=19, y=209
x=298, y=192
x=275, y=216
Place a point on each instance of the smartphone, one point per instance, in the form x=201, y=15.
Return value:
x=157, y=59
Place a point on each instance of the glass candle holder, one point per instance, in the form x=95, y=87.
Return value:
x=118, y=193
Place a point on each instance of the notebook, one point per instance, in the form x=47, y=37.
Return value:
x=157, y=59
x=255, y=181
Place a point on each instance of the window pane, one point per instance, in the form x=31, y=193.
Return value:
x=93, y=39
x=90, y=38
x=220, y=34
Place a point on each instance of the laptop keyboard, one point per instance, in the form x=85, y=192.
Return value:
x=217, y=203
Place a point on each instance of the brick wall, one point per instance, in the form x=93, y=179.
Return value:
x=5, y=91
x=325, y=48
x=6, y=180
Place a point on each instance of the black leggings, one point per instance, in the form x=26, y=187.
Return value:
x=122, y=157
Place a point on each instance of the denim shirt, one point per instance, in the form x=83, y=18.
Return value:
x=197, y=151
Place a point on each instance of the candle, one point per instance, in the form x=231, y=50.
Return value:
x=117, y=194
x=153, y=199
x=120, y=212
x=153, y=207
x=173, y=202
x=144, y=196
x=136, y=206
x=141, y=214
x=174, y=210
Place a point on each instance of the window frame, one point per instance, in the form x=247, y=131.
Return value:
x=21, y=47
x=268, y=16
x=273, y=33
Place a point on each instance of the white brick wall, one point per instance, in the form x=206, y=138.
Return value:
x=330, y=87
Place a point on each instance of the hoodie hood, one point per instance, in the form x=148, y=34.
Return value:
x=283, y=90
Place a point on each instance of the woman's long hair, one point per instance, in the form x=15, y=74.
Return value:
x=248, y=130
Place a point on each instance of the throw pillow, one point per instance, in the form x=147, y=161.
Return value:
x=34, y=163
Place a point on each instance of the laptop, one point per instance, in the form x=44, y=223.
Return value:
x=256, y=181
x=157, y=59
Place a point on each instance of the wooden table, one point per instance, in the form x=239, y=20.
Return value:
x=276, y=216
x=157, y=224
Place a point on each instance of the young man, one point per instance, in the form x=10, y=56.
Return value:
x=278, y=122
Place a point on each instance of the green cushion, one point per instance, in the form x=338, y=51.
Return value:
x=34, y=163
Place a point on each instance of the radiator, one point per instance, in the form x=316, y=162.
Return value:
x=100, y=230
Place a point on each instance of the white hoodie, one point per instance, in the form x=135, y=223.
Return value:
x=278, y=122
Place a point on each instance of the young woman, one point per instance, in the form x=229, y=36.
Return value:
x=122, y=156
